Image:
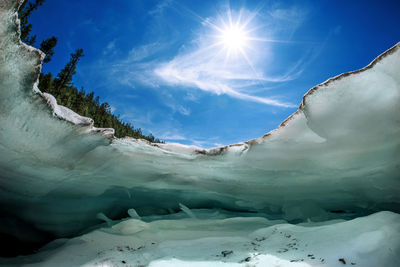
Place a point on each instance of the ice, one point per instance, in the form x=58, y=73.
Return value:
x=133, y=214
x=336, y=158
x=103, y=217
x=65, y=113
x=365, y=241
x=187, y=211
x=130, y=227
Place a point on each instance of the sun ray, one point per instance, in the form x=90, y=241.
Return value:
x=249, y=62
x=232, y=32
x=229, y=16
x=269, y=40
x=235, y=37
x=228, y=52
x=210, y=47
x=238, y=22
x=251, y=17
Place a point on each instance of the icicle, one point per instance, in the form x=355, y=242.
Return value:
x=128, y=193
x=187, y=211
x=103, y=217
x=133, y=214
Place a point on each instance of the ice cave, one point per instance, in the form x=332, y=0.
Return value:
x=323, y=189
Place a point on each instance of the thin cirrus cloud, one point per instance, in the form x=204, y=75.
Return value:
x=205, y=66
x=202, y=69
x=208, y=66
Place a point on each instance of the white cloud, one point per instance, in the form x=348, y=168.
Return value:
x=208, y=70
x=133, y=73
x=171, y=136
x=201, y=65
x=182, y=110
x=169, y=101
x=139, y=53
x=138, y=66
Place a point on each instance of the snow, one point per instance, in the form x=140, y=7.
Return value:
x=65, y=113
x=332, y=162
x=366, y=241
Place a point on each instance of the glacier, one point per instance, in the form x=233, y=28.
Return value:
x=328, y=176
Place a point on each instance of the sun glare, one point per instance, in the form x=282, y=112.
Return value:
x=232, y=35
x=234, y=38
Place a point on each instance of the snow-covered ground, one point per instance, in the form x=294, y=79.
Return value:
x=336, y=158
x=212, y=240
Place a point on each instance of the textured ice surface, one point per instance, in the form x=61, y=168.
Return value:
x=213, y=240
x=337, y=157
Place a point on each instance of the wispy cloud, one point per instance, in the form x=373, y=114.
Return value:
x=206, y=66
x=159, y=8
x=90, y=22
x=168, y=136
x=139, y=53
x=201, y=64
x=175, y=106
x=288, y=19
x=110, y=48
x=179, y=108
x=203, y=70
x=135, y=73
x=173, y=136
x=138, y=66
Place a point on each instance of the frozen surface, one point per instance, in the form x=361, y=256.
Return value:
x=337, y=157
x=213, y=240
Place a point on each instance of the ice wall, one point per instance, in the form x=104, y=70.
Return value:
x=338, y=155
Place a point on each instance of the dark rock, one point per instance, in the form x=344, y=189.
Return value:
x=226, y=252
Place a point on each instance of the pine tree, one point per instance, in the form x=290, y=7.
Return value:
x=64, y=78
x=46, y=82
x=23, y=14
x=64, y=91
x=47, y=47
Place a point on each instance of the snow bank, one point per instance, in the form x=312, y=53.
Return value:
x=366, y=241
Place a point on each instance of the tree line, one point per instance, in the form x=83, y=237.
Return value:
x=63, y=89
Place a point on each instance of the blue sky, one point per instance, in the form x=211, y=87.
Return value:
x=166, y=67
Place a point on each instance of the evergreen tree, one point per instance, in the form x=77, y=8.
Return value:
x=47, y=47
x=46, y=82
x=64, y=78
x=23, y=14
x=62, y=88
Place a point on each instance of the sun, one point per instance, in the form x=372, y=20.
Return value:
x=232, y=35
x=234, y=38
